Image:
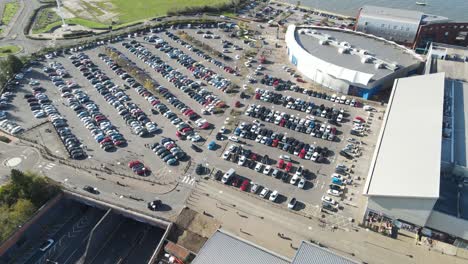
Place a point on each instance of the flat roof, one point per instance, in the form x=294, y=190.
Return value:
x=407, y=158
x=378, y=48
x=309, y=253
x=380, y=12
x=227, y=249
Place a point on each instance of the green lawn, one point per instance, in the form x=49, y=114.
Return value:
x=48, y=19
x=130, y=11
x=7, y=50
x=9, y=12
x=142, y=9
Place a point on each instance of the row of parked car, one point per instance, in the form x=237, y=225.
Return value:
x=333, y=115
x=203, y=55
x=168, y=151
x=70, y=141
x=198, y=70
x=183, y=129
x=274, y=139
x=193, y=89
x=306, y=125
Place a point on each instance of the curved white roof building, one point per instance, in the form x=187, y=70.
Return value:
x=349, y=62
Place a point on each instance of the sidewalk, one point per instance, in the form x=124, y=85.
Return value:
x=252, y=220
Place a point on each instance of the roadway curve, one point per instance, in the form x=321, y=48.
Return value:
x=15, y=33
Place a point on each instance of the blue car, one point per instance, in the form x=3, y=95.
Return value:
x=212, y=145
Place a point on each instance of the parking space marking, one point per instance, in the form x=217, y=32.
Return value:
x=50, y=166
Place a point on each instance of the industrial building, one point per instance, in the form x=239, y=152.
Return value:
x=349, y=62
x=414, y=29
x=424, y=185
x=226, y=248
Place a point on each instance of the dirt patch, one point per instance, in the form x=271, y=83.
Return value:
x=191, y=229
x=95, y=10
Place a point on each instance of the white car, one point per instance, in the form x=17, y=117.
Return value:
x=264, y=192
x=226, y=155
x=46, y=245
x=314, y=156
x=242, y=160
x=259, y=167
x=232, y=148
x=334, y=192
x=222, y=130
x=285, y=157
x=301, y=183
x=292, y=203
x=294, y=179
x=330, y=201
x=273, y=196
x=233, y=138
x=267, y=170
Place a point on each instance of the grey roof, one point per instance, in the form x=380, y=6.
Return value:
x=407, y=157
x=383, y=13
x=223, y=248
x=309, y=253
x=378, y=48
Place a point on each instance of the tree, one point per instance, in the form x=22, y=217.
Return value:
x=15, y=64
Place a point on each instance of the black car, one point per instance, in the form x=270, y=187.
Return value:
x=91, y=189
x=196, y=148
x=154, y=205
x=346, y=154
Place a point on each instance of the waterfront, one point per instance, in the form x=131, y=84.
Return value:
x=453, y=9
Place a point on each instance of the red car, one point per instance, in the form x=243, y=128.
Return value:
x=235, y=182
x=288, y=167
x=281, y=164
x=360, y=119
x=132, y=163
x=300, y=80
x=275, y=143
x=237, y=104
x=245, y=184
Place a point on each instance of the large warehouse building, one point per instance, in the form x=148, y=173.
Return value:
x=418, y=176
x=349, y=62
x=412, y=28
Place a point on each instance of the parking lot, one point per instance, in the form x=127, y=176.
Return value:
x=105, y=116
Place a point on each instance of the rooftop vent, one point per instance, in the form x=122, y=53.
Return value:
x=323, y=42
x=364, y=52
x=345, y=44
x=380, y=65
x=343, y=50
x=365, y=59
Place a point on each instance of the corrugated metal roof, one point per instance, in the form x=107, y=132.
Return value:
x=380, y=12
x=223, y=248
x=312, y=254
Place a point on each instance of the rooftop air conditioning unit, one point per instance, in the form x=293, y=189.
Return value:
x=345, y=44
x=365, y=60
x=380, y=65
x=343, y=50
x=364, y=52
x=323, y=42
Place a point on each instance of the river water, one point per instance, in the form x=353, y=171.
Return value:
x=456, y=10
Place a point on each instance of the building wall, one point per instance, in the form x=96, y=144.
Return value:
x=447, y=33
x=391, y=29
x=412, y=210
x=449, y=224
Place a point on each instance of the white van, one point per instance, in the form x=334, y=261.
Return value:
x=343, y=99
x=228, y=175
x=333, y=97
x=368, y=108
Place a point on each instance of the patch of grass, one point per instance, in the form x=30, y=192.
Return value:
x=5, y=139
x=45, y=21
x=9, y=12
x=135, y=10
x=7, y=50
x=95, y=11
x=48, y=19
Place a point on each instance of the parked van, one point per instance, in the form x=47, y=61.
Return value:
x=333, y=98
x=342, y=99
x=228, y=175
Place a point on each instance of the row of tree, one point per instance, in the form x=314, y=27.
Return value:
x=9, y=67
x=21, y=197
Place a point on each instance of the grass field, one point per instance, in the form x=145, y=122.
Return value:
x=48, y=19
x=141, y=9
x=7, y=50
x=9, y=12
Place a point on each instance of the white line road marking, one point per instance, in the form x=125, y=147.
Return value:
x=192, y=181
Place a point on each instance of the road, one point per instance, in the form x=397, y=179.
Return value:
x=130, y=194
